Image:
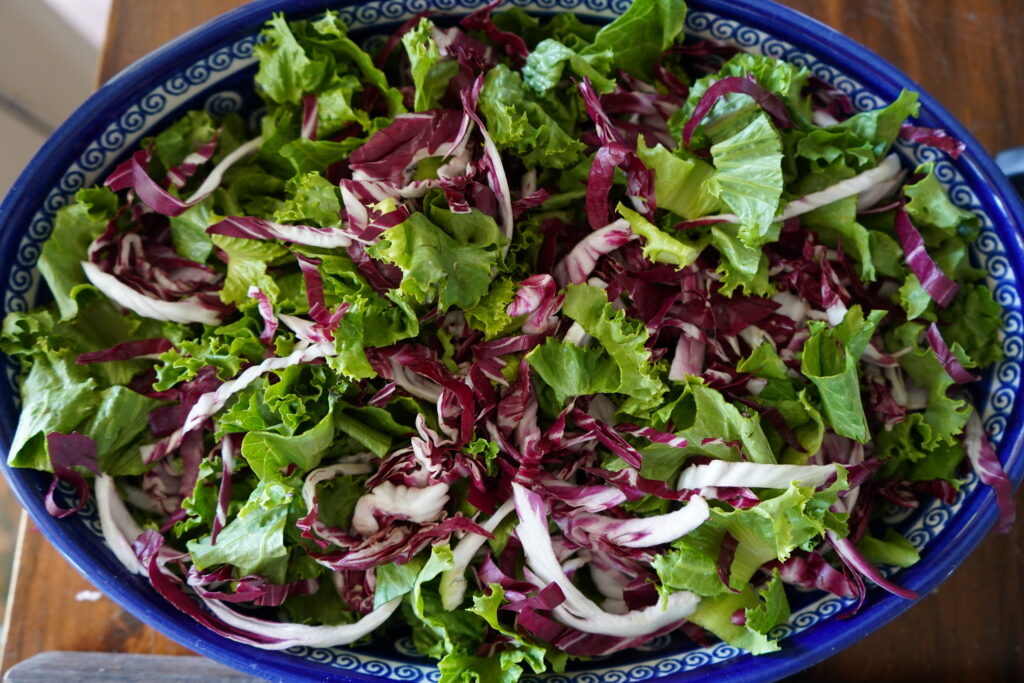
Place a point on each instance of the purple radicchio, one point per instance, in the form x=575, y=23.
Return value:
x=67, y=451
x=938, y=285
x=578, y=611
x=767, y=100
x=134, y=174
x=933, y=137
x=985, y=462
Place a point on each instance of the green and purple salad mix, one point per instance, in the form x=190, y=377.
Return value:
x=537, y=338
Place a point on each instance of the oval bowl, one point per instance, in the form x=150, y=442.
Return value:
x=212, y=67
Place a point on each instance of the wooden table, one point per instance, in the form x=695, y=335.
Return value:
x=967, y=54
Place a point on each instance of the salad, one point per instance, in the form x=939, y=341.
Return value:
x=537, y=338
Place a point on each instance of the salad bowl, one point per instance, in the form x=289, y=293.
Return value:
x=212, y=68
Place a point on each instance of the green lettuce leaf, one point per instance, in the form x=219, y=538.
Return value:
x=763, y=609
x=436, y=263
x=268, y=452
x=741, y=265
x=549, y=59
x=184, y=136
x=188, y=232
x=942, y=462
x=373, y=428
x=314, y=200
x=371, y=321
x=824, y=147
x=933, y=213
x=914, y=298
x=119, y=423
x=880, y=127
x=699, y=413
x=62, y=254
x=574, y=371
x=773, y=607
x=247, y=267
x=57, y=396
x=748, y=178
x=944, y=416
x=60, y=395
x=307, y=57
x=623, y=339
x=659, y=246
x=523, y=125
x=893, y=549
x=715, y=614
x=201, y=506
x=335, y=108
x=227, y=348
x=830, y=359
x=395, y=580
x=101, y=204
x=505, y=667
x=679, y=184
x=248, y=189
x=789, y=396
x=488, y=315
x=286, y=73
x=310, y=156
x=500, y=667
x=795, y=518
x=772, y=530
x=337, y=498
x=735, y=111
x=438, y=632
x=430, y=74
x=640, y=34
x=254, y=539
x=973, y=321
x=332, y=36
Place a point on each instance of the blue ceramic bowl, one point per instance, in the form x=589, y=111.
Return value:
x=212, y=67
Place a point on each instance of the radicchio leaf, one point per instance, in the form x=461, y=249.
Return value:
x=249, y=227
x=536, y=298
x=853, y=559
x=933, y=137
x=191, y=310
x=613, y=154
x=767, y=100
x=754, y=475
x=309, y=117
x=134, y=174
x=67, y=451
x=480, y=20
x=949, y=361
x=453, y=581
x=811, y=570
x=938, y=285
x=985, y=462
x=141, y=348
x=577, y=265
x=578, y=611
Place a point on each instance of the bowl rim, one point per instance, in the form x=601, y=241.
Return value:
x=958, y=539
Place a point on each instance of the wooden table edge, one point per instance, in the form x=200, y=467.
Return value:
x=12, y=589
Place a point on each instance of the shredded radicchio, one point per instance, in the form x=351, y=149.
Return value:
x=933, y=137
x=581, y=430
x=938, y=285
x=67, y=451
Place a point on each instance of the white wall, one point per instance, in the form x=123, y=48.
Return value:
x=47, y=68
